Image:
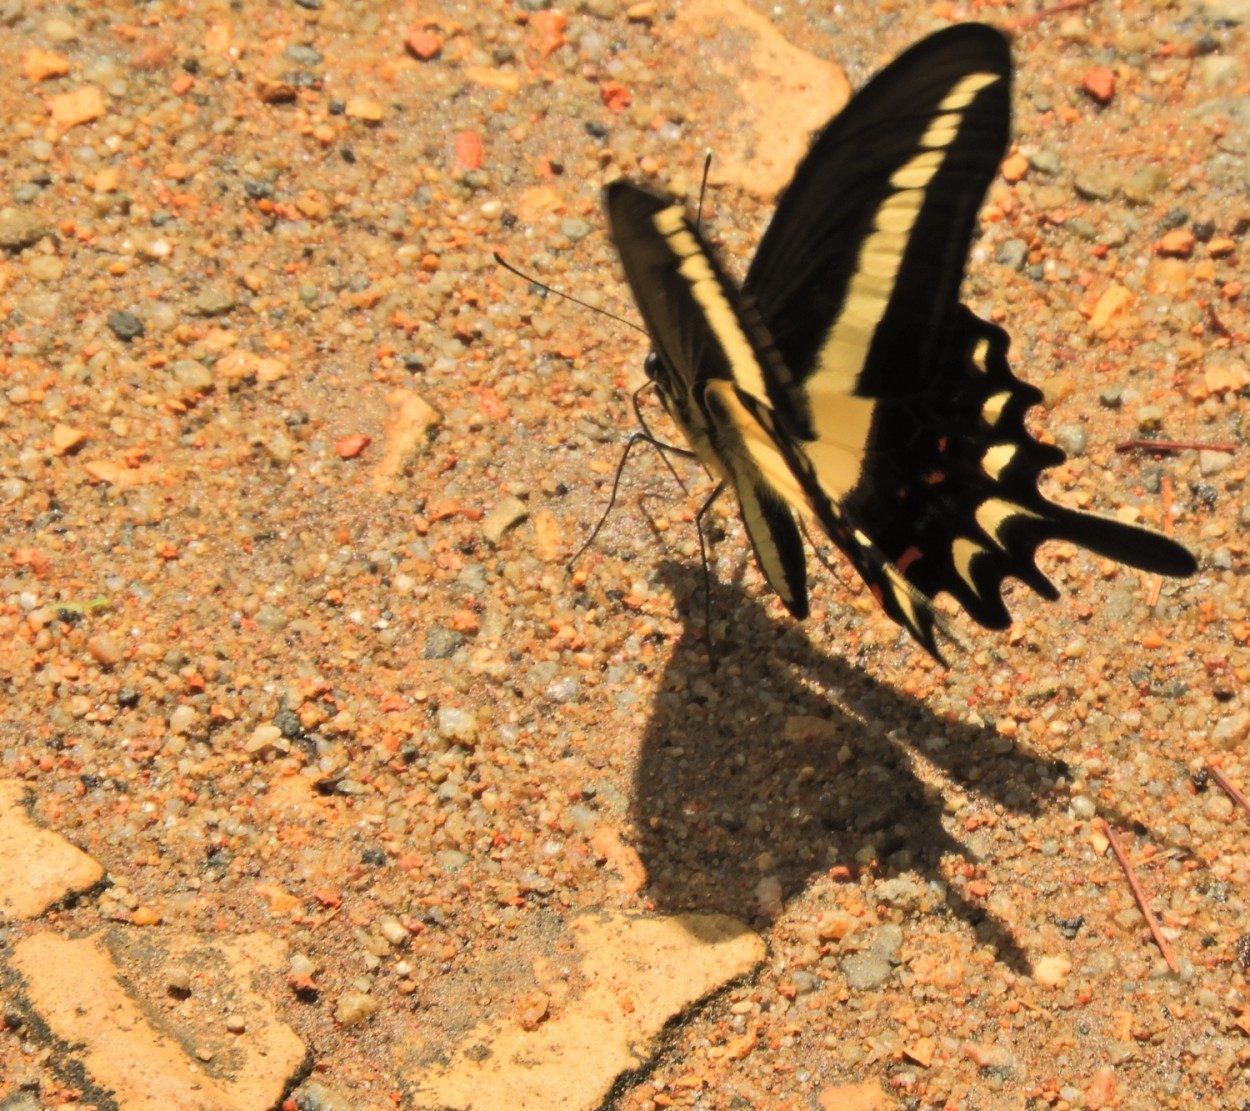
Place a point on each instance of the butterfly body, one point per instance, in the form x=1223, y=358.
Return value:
x=844, y=381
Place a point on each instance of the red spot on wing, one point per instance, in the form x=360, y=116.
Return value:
x=908, y=558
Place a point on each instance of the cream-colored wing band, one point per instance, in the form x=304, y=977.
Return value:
x=844, y=351
x=706, y=289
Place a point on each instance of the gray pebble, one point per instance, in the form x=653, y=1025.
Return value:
x=457, y=725
x=271, y=619
x=886, y=941
x=211, y=302
x=1047, y=162
x=1096, y=183
x=1143, y=186
x=182, y=719
x=1226, y=11
x=510, y=511
x=805, y=983
x=1012, y=254
x=302, y=55
x=1213, y=462
x=563, y=690
x=866, y=971
x=1218, y=71
x=1083, y=807
x=317, y=1097
x=1072, y=438
x=20, y=228
x=575, y=228
x=442, y=643
x=354, y=1007
x=125, y=325
x=192, y=375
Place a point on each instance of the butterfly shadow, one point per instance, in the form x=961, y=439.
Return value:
x=787, y=762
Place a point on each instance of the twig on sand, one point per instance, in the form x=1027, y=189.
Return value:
x=1140, y=896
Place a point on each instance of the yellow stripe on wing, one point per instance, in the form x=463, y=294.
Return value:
x=706, y=289
x=842, y=355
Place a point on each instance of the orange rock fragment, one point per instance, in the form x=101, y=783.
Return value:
x=280, y=900
x=423, y=44
x=1177, y=243
x=364, y=108
x=351, y=446
x=538, y=201
x=550, y=25
x=620, y=857
x=468, y=150
x=921, y=1052
x=218, y=38
x=1102, y=1089
x=1113, y=301
x=37, y=866
x=532, y=1009
x=616, y=96
x=115, y=474
x=1014, y=168
x=66, y=439
x=39, y=65
x=1225, y=377
x=410, y=426
x=869, y=1096
x=80, y=106
x=740, y=1047
x=549, y=538
x=1099, y=83
x=271, y=91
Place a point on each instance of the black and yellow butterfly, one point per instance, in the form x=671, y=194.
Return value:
x=844, y=380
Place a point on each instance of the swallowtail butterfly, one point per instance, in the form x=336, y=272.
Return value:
x=844, y=381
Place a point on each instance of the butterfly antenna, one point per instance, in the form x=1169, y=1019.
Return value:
x=567, y=296
x=707, y=166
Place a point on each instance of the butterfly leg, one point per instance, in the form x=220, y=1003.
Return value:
x=707, y=571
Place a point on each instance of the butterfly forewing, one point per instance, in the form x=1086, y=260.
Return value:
x=860, y=267
x=714, y=361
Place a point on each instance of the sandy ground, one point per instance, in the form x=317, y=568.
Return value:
x=326, y=785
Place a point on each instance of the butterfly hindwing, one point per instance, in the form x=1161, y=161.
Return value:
x=949, y=487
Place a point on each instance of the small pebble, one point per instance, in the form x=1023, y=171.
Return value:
x=353, y=1008
x=178, y=979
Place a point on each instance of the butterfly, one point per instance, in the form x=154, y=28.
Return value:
x=844, y=383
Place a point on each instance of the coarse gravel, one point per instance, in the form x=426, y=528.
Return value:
x=290, y=472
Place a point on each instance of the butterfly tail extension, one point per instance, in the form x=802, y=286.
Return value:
x=897, y=596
